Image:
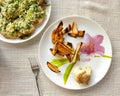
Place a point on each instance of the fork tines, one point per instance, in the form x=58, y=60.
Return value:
x=33, y=63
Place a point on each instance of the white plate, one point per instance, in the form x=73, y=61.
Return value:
x=37, y=31
x=99, y=65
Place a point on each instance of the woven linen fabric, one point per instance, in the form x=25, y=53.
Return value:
x=16, y=77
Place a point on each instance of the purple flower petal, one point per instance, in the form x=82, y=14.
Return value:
x=98, y=39
x=88, y=38
x=92, y=47
x=99, y=50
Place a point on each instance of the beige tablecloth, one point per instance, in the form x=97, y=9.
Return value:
x=16, y=78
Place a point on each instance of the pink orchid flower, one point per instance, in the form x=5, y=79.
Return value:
x=92, y=46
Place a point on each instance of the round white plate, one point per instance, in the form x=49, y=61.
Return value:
x=99, y=65
x=37, y=31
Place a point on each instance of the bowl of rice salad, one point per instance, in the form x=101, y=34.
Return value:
x=21, y=20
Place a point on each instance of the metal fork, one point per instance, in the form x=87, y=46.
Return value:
x=36, y=70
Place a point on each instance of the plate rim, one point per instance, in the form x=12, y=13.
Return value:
x=10, y=41
x=76, y=16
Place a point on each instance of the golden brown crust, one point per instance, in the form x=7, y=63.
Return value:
x=18, y=34
x=53, y=67
x=32, y=29
x=38, y=22
x=13, y=36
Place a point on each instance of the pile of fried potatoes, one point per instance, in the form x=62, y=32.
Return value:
x=62, y=48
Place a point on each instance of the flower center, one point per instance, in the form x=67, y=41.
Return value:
x=89, y=48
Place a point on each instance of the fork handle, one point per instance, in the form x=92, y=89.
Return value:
x=39, y=89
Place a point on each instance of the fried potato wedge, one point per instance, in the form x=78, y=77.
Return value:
x=72, y=35
x=69, y=45
x=53, y=36
x=67, y=29
x=75, y=32
x=56, y=34
x=53, y=50
x=60, y=26
x=53, y=67
x=76, y=52
x=63, y=49
x=60, y=39
x=69, y=57
x=57, y=37
x=81, y=33
x=60, y=54
x=74, y=28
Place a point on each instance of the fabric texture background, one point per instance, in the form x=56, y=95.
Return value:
x=16, y=77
